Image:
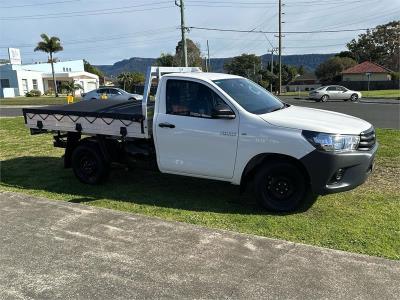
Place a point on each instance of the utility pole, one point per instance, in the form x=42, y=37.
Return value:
x=272, y=66
x=208, y=55
x=183, y=31
x=280, y=48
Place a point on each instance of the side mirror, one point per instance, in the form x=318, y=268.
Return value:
x=222, y=111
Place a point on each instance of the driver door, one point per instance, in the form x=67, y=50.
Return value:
x=188, y=140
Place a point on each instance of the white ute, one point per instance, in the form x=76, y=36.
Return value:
x=215, y=126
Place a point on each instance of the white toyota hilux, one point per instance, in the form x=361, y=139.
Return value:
x=215, y=126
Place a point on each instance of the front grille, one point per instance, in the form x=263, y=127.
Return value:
x=367, y=140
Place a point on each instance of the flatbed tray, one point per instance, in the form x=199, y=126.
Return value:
x=125, y=110
x=109, y=117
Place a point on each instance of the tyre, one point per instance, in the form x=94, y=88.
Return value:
x=324, y=98
x=89, y=165
x=282, y=187
x=354, y=97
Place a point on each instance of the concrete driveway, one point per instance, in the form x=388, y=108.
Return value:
x=51, y=249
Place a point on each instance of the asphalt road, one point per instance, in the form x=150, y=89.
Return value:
x=385, y=115
x=380, y=115
x=60, y=250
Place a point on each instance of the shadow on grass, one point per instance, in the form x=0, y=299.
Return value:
x=135, y=186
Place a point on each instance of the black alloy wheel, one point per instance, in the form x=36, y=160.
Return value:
x=281, y=186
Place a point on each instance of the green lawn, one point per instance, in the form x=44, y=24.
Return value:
x=382, y=94
x=44, y=100
x=366, y=220
x=392, y=94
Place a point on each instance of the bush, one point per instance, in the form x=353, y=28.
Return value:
x=48, y=92
x=33, y=93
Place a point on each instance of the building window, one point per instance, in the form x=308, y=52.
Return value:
x=4, y=83
x=25, y=85
x=35, y=84
x=63, y=69
x=70, y=69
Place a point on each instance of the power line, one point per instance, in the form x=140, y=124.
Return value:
x=263, y=3
x=40, y=4
x=104, y=38
x=275, y=32
x=130, y=8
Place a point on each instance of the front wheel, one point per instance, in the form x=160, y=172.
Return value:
x=89, y=165
x=354, y=97
x=282, y=187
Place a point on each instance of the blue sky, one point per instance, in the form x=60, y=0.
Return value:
x=104, y=31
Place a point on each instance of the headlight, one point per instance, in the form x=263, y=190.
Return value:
x=332, y=142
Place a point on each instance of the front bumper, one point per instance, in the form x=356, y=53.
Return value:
x=322, y=168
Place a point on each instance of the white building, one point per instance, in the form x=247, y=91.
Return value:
x=17, y=80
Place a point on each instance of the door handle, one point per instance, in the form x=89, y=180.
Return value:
x=166, y=125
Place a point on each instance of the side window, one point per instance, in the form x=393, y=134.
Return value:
x=187, y=98
x=331, y=88
x=113, y=91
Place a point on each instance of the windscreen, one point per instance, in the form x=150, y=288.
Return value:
x=250, y=95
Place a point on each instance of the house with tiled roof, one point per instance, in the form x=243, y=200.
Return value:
x=305, y=82
x=367, y=71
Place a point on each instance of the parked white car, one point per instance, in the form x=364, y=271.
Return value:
x=110, y=93
x=334, y=92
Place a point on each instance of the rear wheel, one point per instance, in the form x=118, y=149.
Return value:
x=324, y=98
x=354, y=97
x=282, y=187
x=89, y=165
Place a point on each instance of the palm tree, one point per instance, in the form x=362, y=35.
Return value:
x=125, y=78
x=50, y=45
x=71, y=87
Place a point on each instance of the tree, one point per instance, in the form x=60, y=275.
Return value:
x=71, y=87
x=137, y=78
x=346, y=54
x=50, y=45
x=330, y=70
x=128, y=79
x=165, y=60
x=380, y=45
x=246, y=65
x=124, y=79
x=249, y=66
x=193, y=53
x=301, y=70
x=92, y=69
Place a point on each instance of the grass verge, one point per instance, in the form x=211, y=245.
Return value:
x=365, y=220
x=34, y=100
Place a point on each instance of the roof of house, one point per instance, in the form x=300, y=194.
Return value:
x=366, y=67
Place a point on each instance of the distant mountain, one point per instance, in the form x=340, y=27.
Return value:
x=134, y=64
x=139, y=64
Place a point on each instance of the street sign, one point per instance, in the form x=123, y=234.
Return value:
x=15, y=56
